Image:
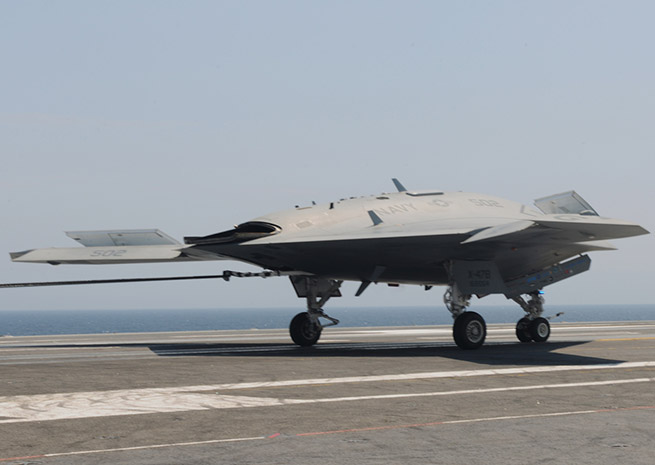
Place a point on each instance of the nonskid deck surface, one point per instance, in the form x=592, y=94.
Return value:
x=362, y=395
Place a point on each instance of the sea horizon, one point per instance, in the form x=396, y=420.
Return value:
x=80, y=321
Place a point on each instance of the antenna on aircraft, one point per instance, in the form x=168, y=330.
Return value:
x=399, y=185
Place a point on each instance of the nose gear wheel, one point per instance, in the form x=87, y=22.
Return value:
x=305, y=330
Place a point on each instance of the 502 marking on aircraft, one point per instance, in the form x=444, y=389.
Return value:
x=108, y=253
x=479, y=245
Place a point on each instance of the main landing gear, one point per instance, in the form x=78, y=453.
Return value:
x=305, y=327
x=532, y=327
x=470, y=329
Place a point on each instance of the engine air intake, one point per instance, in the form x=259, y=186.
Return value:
x=242, y=233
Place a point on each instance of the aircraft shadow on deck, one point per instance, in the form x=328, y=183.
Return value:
x=491, y=354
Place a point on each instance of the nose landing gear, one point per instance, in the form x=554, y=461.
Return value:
x=305, y=328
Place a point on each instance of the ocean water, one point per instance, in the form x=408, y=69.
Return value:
x=44, y=322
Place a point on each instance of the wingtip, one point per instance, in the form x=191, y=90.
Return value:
x=15, y=256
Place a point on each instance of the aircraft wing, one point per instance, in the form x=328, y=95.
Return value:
x=117, y=246
x=568, y=218
x=591, y=227
x=559, y=228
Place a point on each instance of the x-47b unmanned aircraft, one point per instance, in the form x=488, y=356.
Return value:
x=475, y=244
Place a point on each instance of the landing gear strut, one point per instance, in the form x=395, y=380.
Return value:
x=469, y=328
x=305, y=328
x=532, y=327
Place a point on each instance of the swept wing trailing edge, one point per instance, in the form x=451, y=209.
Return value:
x=475, y=244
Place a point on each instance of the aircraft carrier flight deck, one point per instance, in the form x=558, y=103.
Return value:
x=362, y=395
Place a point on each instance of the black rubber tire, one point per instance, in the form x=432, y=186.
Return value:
x=469, y=331
x=303, y=331
x=540, y=329
x=523, y=330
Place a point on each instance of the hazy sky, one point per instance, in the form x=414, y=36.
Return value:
x=193, y=116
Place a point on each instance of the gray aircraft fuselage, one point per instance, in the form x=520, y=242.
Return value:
x=418, y=234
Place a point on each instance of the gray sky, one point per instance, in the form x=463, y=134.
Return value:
x=193, y=116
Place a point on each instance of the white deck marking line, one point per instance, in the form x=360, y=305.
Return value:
x=156, y=446
x=352, y=430
x=21, y=409
x=127, y=449
x=413, y=376
x=72, y=355
x=472, y=391
x=479, y=420
x=497, y=327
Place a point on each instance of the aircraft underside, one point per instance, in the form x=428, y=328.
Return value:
x=519, y=275
x=422, y=263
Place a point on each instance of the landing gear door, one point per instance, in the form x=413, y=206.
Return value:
x=322, y=286
x=477, y=277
